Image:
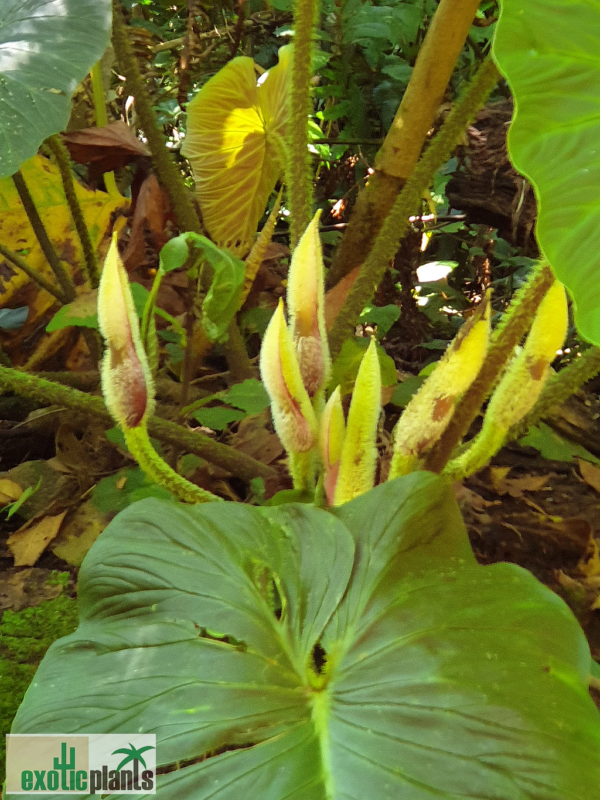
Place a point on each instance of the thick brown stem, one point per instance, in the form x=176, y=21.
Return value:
x=405, y=139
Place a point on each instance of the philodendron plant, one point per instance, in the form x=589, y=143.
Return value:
x=294, y=652
x=324, y=653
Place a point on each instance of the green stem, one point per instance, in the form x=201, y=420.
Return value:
x=101, y=120
x=21, y=264
x=168, y=173
x=47, y=393
x=159, y=471
x=61, y=155
x=236, y=354
x=299, y=177
x=408, y=202
x=515, y=323
x=62, y=276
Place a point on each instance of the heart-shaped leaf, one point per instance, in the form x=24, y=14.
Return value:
x=549, y=51
x=47, y=47
x=234, y=144
x=289, y=652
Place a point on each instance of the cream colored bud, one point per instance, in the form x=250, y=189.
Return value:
x=126, y=379
x=359, y=452
x=293, y=414
x=427, y=415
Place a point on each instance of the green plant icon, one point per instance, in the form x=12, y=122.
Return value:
x=131, y=754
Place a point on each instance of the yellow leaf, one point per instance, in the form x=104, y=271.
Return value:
x=16, y=233
x=359, y=453
x=29, y=542
x=233, y=142
x=9, y=490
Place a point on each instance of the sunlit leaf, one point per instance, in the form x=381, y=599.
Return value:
x=234, y=144
x=549, y=51
x=46, y=48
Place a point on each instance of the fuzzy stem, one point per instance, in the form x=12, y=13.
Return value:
x=62, y=276
x=299, y=177
x=397, y=221
x=168, y=173
x=20, y=263
x=302, y=469
x=515, y=323
x=481, y=450
x=61, y=155
x=101, y=120
x=558, y=389
x=236, y=354
x=159, y=471
x=47, y=393
x=402, y=146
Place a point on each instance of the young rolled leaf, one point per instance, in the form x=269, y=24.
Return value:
x=331, y=441
x=430, y=410
x=235, y=128
x=126, y=379
x=306, y=305
x=521, y=385
x=359, y=453
x=292, y=411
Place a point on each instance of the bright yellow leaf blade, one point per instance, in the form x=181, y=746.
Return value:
x=235, y=127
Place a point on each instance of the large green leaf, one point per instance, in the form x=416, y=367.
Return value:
x=549, y=51
x=234, y=143
x=443, y=679
x=46, y=48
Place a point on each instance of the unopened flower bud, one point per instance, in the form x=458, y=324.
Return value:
x=331, y=440
x=306, y=304
x=430, y=410
x=524, y=380
x=359, y=452
x=126, y=379
x=293, y=414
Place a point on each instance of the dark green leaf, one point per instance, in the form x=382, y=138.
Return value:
x=46, y=49
x=11, y=319
x=65, y=318
x=140, y=296
x=125, y=487
x=174, y=254
x=250, y=395
x=405, y=390
x=554, y=447
x=345, y=367
x=382, y=316
x=434, y=677
x=217, y=418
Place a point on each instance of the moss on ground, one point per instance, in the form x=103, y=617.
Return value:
x=24, y=638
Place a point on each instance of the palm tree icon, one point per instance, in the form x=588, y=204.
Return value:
x=131, y=754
